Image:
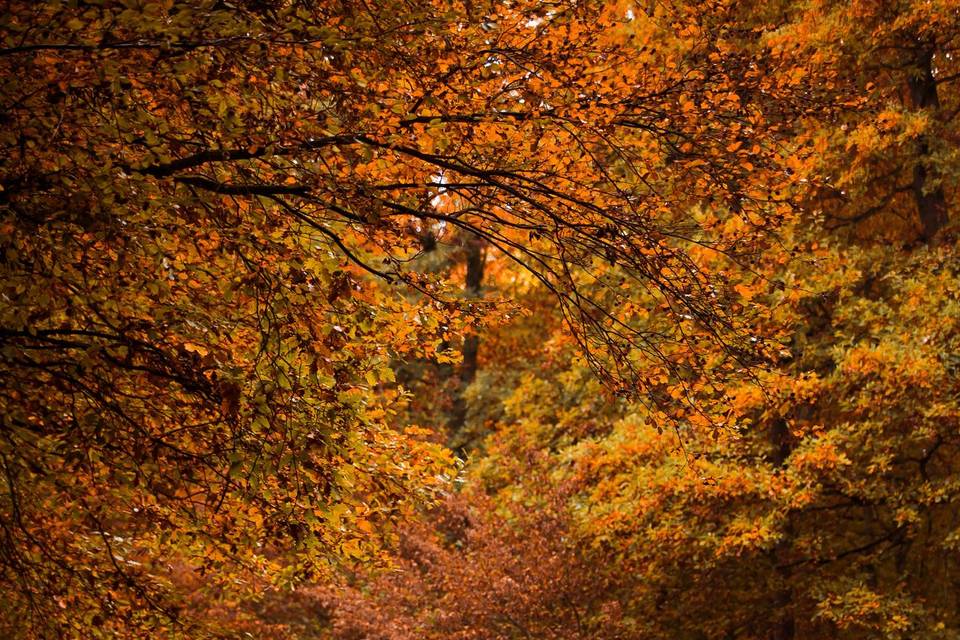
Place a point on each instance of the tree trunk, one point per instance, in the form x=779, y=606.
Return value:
x=783, y=626
x=475, y=259
x=931, y=203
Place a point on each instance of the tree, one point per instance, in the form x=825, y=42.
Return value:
x=889, y=152
x=826, y=507
x=206, y=207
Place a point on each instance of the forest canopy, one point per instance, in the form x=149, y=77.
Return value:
x=396, y=320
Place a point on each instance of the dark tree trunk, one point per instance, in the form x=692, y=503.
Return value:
x=475, y=259
x=931, y=203
x=783, y=626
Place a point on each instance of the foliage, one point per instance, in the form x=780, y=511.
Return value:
x=678, y=278
x=826, y=506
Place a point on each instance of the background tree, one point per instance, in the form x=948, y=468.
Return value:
x=204, y=207
x=826, y=507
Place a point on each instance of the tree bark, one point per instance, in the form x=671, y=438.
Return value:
x=783, y=627
x=931, y=202
x=475, y=259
